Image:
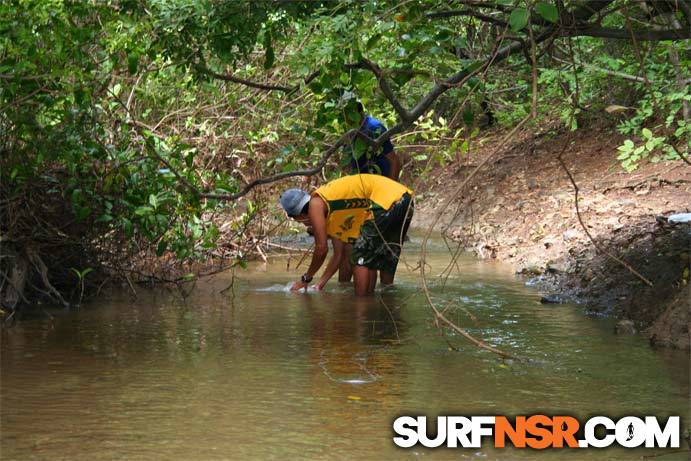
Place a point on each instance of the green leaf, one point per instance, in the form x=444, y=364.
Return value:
x=468, y=116
x=143, y=210
x=444, y=35
x=548, y=11
x=132, y=63
x=359, y=148
x=518, y=19
x=402, y=78
x=128, y=227
x=461, y=42
x=83, y=213
x=316, y=87
x=647, y=134
x=189, y=157
x=372, y=41
x=161, y=247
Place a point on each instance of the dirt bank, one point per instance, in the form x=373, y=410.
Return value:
x=520, y=208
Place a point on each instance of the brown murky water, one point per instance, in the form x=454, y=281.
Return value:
x=258, y=373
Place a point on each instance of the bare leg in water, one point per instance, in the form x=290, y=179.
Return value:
x=365, y=280
x=386, y=278
x=345, y=270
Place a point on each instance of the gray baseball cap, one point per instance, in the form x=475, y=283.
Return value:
x=294, y=200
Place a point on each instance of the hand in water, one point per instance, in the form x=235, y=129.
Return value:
x=315, y=288
x=297, y=286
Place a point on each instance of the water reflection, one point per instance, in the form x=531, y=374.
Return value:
x=262, y=374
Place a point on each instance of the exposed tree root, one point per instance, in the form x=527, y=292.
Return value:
x=43, y=272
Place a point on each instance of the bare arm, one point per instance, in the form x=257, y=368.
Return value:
x=317, y=215
x=395, y=165
x=333, y=264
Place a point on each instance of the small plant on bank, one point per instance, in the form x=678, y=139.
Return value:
x=81, y=275
x=654, y=147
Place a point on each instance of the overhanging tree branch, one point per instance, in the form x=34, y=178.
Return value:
x=632, y=78
x=481, y=4
x=621, y=34
x=571, y=23
x=577, y=16
x=384, y=86
x=343, y=140
x=469, y=13
x=260, y=86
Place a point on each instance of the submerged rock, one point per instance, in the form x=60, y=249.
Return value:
x=570, y=234
x=553, y=299
x=532, y=269
x=558, y=266
x=625, y=327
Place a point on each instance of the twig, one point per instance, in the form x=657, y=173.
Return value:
x=287, y=248
x=439, y=316
x=632, y=78
x=260, y=86
x=381, y=299
x=131, y=285
x=585, y=229
x=289, y=174
x=43, y=271
x=681, y=156
x=533, y=62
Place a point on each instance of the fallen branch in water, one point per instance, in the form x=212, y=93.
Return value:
x=438, y=315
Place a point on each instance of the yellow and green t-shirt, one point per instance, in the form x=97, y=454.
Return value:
x=350, y=200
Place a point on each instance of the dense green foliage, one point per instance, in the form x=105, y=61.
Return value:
x=118, y=116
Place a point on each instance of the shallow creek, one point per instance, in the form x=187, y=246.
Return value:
x=255, y=372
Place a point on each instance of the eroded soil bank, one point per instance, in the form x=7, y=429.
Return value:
x=520, y=208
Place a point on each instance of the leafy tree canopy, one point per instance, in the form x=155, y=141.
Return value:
x=128, y=125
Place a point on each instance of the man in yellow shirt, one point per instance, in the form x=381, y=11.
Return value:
x=370, y=211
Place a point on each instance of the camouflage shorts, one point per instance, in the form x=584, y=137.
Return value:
x=381, y=238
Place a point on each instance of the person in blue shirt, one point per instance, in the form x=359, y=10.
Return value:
x=385, y=162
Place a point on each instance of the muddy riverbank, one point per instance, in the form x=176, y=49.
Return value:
x=520, y=209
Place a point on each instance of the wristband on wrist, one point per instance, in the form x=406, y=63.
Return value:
x=306, y=278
